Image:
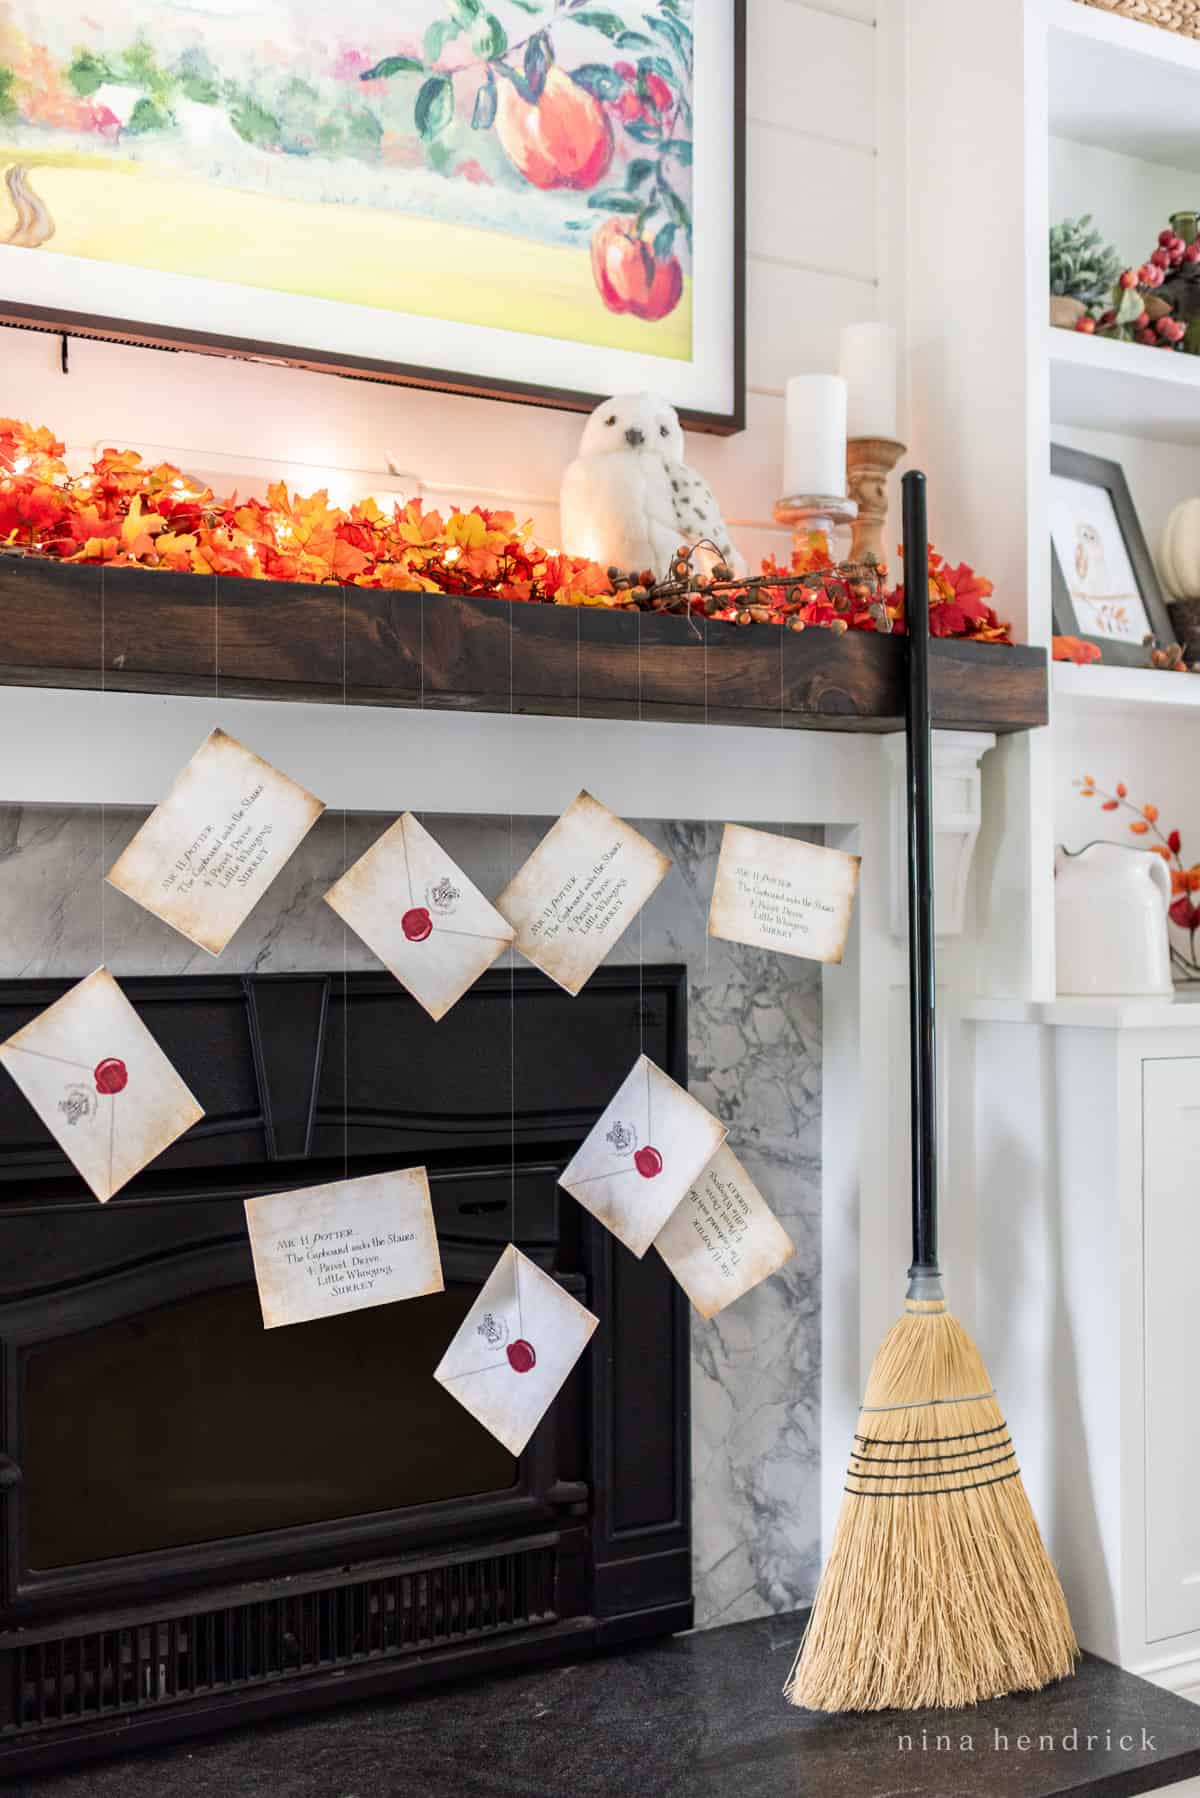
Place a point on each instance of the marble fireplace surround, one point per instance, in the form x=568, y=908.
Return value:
x=754, y=1058
x=806, y=1064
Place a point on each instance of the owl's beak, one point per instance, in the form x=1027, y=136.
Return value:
x=635, y=438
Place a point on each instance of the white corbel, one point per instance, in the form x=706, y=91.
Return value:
x=957, y=810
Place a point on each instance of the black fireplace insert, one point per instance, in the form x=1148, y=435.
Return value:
x=205, y=1522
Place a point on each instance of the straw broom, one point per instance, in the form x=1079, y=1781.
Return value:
x=938, y=1590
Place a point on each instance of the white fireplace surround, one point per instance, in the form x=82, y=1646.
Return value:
x=123, y=749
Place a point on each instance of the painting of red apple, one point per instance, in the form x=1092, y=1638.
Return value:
x=528, y=189
x=563, y=138
x=593, y=102
x=631, y=278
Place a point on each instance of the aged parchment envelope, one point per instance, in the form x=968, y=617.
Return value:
x=100, y=1083
x=724, y=1238
x=580, y=890
x=640, y=1158
x=204, y=857
x=344, y=1246
x=774, y=893
x=428, y=924
x=514, y=1349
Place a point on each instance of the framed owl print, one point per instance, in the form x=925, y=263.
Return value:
x=530, y=199
x=1104, y=586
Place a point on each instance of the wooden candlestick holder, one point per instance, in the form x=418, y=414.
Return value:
x=869, y=462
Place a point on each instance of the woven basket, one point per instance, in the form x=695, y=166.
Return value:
x=1182, y=16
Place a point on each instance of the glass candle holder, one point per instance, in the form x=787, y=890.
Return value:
x=807, y=512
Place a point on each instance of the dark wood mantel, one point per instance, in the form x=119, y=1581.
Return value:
x=148, y=631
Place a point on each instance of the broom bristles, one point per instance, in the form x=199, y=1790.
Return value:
x=939, y=1590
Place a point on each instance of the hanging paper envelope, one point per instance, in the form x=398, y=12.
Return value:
x=514, y=1349
x=100, y=1083
x=428, y=924
x=205, y=856
x=775, y=892
x=723, y=1238
x=639, y=1160
x=582, y=887
x=343, y=1246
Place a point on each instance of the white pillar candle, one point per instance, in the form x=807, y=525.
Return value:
x=814, y=448
x=868, y=362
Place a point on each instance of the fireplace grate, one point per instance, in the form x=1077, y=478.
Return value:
x=139, y=1665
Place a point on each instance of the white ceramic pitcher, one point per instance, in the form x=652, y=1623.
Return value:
x=1110, y=905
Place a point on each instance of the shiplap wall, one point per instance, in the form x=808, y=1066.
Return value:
x=813, y=263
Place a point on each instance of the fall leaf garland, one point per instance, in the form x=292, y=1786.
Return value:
x=121, y=512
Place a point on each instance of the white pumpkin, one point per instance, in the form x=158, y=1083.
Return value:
x=1179, y=553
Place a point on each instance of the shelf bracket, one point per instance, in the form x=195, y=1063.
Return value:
x=957, y=812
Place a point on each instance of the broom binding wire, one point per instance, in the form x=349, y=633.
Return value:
x=942, y=1594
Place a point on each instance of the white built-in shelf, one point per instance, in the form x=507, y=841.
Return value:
x=1123, y=85
x=1099, y=385
x=1179, y=1013
x=1124, y=690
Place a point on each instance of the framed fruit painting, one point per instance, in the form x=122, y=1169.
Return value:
x=534, y=199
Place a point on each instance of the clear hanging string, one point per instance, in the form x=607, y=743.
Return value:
x=704, y=864
x=421, y=671
x=345, y=928
x=104, y=764
x=512, y=963
x=782, y=727
x=641, y=909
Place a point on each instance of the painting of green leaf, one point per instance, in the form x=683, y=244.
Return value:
x=519, y=164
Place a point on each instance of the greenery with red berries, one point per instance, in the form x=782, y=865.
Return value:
x=1158, y=304
x=1082, y=266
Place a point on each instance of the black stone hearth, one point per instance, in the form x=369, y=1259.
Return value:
x=700, y=1716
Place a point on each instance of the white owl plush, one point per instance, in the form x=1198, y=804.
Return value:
x=629, y=499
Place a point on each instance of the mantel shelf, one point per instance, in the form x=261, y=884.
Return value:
x=147, y=631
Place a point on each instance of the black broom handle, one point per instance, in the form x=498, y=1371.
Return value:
x=922, y=975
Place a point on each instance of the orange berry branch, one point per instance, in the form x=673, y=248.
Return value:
x=1185, y=882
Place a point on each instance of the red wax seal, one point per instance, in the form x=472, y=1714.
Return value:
x=417, y=924
x=648, y=1162
x=521, y=1357
x=111, y=1075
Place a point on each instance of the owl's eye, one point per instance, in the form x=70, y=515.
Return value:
x=663, y=431
x=612, y=420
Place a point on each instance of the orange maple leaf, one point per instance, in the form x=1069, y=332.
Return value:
x=138, y=532
x=345, y=562
x=416, y=526
x=397, y=577
x=175, y=551
x=95, y=549
x=1074, y=649
x=29, y=508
